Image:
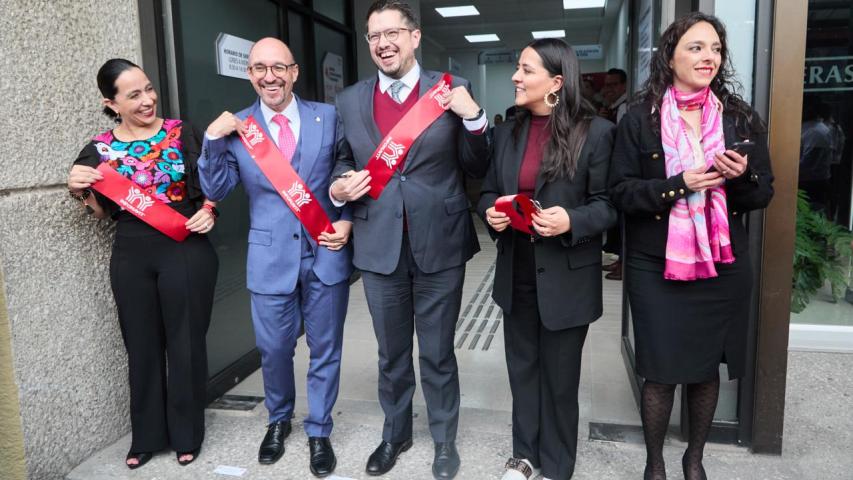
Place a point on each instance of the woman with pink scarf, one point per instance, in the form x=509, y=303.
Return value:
x=684, y=191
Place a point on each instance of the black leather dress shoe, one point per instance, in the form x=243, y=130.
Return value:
x=382, y=459
x=323, y=459
x=445, y=465
x=272, y=448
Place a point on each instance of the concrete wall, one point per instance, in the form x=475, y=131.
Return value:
x=67, y=355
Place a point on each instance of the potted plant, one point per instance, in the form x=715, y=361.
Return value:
x=822, y=253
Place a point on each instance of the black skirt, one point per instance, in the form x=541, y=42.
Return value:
x=684, y=330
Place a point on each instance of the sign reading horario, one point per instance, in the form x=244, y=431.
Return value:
x=828, y=74
x=232, y=56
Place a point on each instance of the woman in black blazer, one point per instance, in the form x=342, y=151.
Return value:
x=684, y=192
x=548, y=283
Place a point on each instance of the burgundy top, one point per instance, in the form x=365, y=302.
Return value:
x=537, y=138
x=387, y=112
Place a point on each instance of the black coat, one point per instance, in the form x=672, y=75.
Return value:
x=639, y=188
x=568, y=267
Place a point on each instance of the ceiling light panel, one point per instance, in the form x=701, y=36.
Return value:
x=549, y=34
x=461, y=11
x=489, y=37
x=576, y=4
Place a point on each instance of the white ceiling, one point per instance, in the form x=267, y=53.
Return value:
x=513, y=20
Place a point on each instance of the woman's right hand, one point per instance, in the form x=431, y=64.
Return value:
x=497, y=220
x=82, y=177
x=697, y=180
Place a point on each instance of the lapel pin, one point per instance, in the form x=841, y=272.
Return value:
x=317, y=119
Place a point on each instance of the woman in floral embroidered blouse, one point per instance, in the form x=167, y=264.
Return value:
x=163, y=288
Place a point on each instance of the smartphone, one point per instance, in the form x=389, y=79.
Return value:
x=743, y=148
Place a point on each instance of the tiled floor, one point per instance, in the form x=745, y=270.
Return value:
x=605, y=394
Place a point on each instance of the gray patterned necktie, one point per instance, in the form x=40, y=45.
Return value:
x=395, y=90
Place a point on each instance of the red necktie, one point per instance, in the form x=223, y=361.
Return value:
x=286, y=140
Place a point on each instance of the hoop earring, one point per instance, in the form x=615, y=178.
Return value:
x=552, y=103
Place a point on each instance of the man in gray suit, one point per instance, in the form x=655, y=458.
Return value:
x=412, y=242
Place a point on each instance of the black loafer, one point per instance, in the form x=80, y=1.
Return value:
x=272, y=448
x=141, y=458
x=382, y=459
x=445, y=465
x=323, y=459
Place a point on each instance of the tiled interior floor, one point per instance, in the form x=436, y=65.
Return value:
x=605, y=392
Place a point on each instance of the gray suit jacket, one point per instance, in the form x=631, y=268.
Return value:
x=430, y=187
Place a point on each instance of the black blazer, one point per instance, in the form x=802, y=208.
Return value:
x=568, y=280
x=639, y=188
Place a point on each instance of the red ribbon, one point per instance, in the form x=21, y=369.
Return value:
x=150, y=210
x=520, y=221
x=392, y=150
x=295, y=193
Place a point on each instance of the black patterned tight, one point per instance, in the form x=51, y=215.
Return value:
x=655, y=411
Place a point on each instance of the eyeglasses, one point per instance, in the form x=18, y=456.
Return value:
x=391, y=35
x=259, y=70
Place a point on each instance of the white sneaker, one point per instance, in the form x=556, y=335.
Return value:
x=520, y=469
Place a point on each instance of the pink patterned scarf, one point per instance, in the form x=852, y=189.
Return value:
x=698, y=232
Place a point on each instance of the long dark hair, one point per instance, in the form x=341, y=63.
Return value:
x=107, y=75
x=569, y=120
x=724, y=85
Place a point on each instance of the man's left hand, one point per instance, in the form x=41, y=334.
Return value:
x=336, y=241
x=459, y=101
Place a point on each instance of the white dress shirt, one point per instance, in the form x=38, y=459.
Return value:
x=291, y=111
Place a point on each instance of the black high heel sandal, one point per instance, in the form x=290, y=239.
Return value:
x=184, y=463
x=141, y=459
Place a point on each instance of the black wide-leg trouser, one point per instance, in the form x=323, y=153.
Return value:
x=164, y=293
x=544, y=374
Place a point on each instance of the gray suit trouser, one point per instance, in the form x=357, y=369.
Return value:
x=405, y=302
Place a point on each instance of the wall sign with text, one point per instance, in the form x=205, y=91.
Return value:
x=232, y=56
x=828, y=74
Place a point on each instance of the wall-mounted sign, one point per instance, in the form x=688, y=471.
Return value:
x=588, y=52
x=828, y=74
x=333, y=76
x=232, y=56
x=491, y=57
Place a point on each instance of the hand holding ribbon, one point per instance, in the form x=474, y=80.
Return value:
x=520, y=221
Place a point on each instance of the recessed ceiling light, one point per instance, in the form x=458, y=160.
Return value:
x=489, y=37
x=573, y=4
x=549, y=34
x=462, y=11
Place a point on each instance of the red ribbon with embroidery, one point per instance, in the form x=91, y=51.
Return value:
x=147, y=208
x=392, y=150
x=522, y=221
x=295, y=193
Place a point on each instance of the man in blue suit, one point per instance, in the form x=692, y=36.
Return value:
x=292, y=279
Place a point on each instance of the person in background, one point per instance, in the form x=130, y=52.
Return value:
x=684, y=190
x=163, y=288
x=815, y=157
x=557, y=151
x=615, y=95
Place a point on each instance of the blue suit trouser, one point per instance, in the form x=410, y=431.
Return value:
x=277, y=320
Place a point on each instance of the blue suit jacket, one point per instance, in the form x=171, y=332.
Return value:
x=275, y=235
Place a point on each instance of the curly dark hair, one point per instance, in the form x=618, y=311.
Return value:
x=724, y=85
x=570, y=119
